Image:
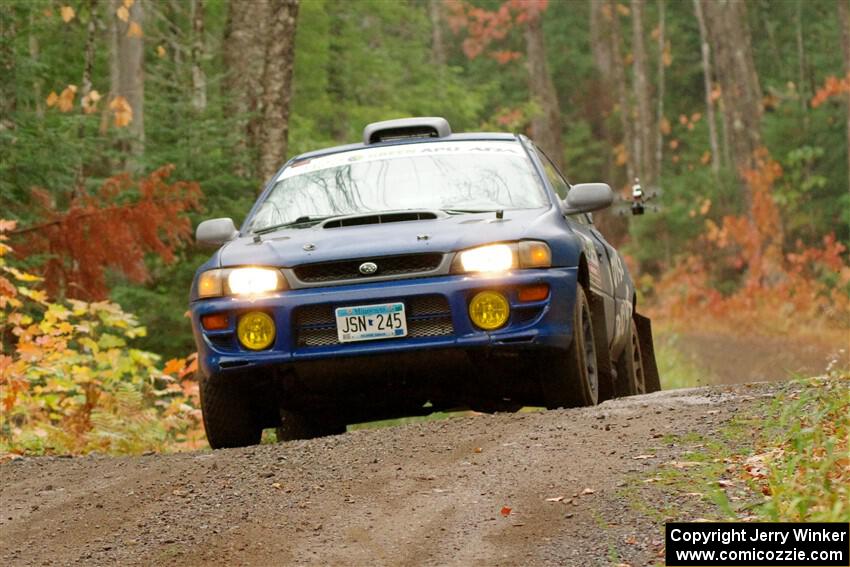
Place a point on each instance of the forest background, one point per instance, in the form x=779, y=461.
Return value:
x=123, y=123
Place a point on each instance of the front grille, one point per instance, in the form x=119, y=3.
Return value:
x=408, y=264
x=427, y=316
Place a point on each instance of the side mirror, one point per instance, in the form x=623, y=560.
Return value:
x=215, y=232
x=587, y=197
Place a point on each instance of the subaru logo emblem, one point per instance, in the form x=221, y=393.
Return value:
x=368, y=268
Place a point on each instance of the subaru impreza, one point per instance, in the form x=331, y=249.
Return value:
x=417, y=271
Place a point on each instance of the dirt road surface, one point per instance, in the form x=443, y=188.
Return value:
x=432, y=493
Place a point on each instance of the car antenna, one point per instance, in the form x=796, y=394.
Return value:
x=500, y=214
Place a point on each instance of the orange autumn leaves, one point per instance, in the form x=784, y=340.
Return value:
x=119, y=108
x=122, y=112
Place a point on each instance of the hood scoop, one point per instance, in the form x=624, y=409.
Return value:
x=380, y=218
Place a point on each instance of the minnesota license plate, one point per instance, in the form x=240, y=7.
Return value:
x=370, y=322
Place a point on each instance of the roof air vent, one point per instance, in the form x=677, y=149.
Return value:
x=421, y=127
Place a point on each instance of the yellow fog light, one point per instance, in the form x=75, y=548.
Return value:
x=255, y=330
x=489, y=310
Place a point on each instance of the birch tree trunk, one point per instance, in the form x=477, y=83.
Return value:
x=844, y=23
x=127, y=76
x=199, y=78
x=707, y=80
x=277, y=85
x=546, y=125
x=729, y=34
x=244, y=57
x=645, y=139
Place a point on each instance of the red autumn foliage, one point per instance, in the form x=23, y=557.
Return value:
x=114, y=228
x=833, y=86
x=484, y=27
x=779, y=286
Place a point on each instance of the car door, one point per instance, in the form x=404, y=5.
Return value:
x=598, y=252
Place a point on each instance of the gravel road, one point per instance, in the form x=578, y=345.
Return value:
x=432, y=493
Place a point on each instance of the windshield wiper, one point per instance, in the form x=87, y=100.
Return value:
x=306, y=219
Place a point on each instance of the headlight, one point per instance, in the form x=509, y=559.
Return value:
x=502, y=257
x=240, y=281
x=491, y=258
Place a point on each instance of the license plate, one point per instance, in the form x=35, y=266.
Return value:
x=370, y=322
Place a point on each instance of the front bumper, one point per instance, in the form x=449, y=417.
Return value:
x=540, y=324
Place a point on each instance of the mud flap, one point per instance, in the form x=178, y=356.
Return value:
x=603, y=352
x=652, y=380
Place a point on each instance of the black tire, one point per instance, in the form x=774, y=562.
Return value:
x=631, y=374
x=298, y=425
x=571, y=378
x=229, y=419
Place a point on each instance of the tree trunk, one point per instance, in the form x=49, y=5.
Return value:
x=438, y=44
x=659, y=138
x=8, y=86
x=277, y=85
x=244, y=55
x=729, y=34
x=600, y=103
x=546, y=124
x=619, y=75
x=88, y=61
x=199, y=78
x=645, y=139
x=844, y=24
x=709, y=103
x=127, y=72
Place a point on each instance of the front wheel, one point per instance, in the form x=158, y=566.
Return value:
x=229, y=418
x=571, y=378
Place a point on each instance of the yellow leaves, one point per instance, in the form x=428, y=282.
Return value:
x=706, y=158
x=21, y=276
x=623, y=10
x=674, y=144
x=67, y=13
x=665, y=126
x=122, y=112
x=123, y=13
x=160, y=51
x=64, y=102
x=135, y=30
x=89, y=102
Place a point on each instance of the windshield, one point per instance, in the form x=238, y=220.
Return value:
x=462, y=176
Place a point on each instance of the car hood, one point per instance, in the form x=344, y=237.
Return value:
x=293, y=247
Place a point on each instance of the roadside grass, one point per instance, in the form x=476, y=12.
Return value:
x=676, y=368
x=783, y=460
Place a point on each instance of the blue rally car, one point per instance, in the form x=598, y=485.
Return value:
x=417, y=271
